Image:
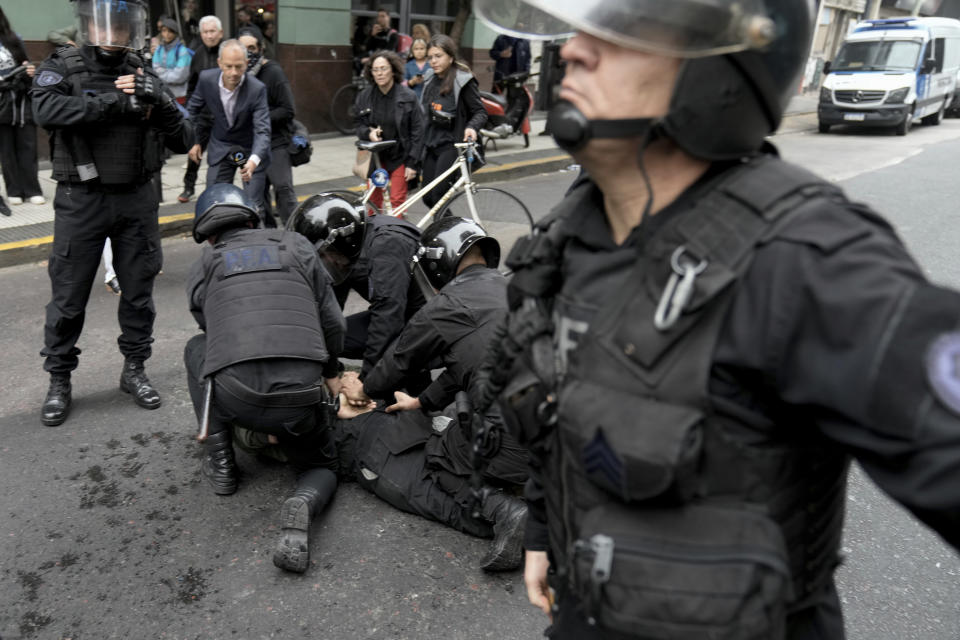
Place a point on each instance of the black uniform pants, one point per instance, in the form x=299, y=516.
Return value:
x=280, y=175
x=18, y=156
x=84, y=218
x=405, y=480
x=302, y=432
x=436, y=161
x=190, y=176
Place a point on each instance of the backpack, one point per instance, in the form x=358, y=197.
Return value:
x=300, y=147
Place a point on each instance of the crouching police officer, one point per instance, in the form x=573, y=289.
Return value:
x=372, y=256
x=108, y=116
x=273, y=330
x=453, y=331
x=706, y=334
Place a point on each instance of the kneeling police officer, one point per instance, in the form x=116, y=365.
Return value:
x=267, y=360
x=109, y=117
x=705, y=335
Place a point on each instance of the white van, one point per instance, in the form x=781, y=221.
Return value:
x=891, y=72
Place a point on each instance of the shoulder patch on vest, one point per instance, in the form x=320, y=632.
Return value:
x=48, y=78
x=249, y=259
x=943, y=369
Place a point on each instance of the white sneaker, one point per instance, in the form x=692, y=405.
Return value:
x=15, y=200
x=38, y=200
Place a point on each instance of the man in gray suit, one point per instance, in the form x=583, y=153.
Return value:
x=240, y=134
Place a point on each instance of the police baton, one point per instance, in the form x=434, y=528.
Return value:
x=205, y=413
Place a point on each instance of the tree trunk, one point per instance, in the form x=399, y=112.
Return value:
x=460, y=22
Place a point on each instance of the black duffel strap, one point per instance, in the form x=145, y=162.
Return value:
x=300, y=398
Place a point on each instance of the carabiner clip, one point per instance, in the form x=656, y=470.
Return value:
x=676, y=295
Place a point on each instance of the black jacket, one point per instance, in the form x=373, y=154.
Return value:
x=381, y=276
x=15, y=106
x=455, y=328
x=409, y=121
x=470, y=111
x=203, y=58
x=280, y=101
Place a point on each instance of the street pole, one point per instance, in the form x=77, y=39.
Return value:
x=917, y=7
x=873, y=12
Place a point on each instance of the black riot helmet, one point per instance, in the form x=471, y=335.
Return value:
x=335, y=227
x=112, y=23
x=743, y=60
x=220, y=207
x=444, y=243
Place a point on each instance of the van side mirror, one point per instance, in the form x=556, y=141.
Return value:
x=929, y=65
x=826, y=67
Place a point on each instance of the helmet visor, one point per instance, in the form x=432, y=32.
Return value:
x=337, y=264
x=683, y=28
x=112, y=23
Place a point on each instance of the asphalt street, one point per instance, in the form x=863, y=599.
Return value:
x=106, y=530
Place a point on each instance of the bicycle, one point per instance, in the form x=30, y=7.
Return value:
x=505, y=217
x=342, y=109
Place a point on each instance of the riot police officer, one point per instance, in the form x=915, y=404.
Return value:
x=703, y=335
x=108, y=116
x=371, y=256
x=453, y=331
x=272, y=333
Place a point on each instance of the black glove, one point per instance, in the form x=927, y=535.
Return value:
x=116, y=104
x=148, y=89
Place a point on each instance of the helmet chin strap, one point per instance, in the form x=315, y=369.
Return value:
x=572, y=130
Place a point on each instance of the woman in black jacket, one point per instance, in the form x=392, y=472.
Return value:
x=389, y=111
x=452, y=90
x=18, y=134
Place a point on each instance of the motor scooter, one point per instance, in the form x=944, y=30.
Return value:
x=508, y=112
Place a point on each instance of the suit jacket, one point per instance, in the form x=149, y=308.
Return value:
x=251, y=119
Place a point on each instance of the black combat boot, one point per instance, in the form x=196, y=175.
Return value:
x=509, y=517
x=133, y=380
x=56, y=406
x=219, y=466
x=314, y=490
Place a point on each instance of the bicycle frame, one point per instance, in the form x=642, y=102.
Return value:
x=465, y=181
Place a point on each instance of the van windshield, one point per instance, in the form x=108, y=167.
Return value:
x=878, y=55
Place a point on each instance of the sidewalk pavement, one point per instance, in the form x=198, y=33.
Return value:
x=27, y=235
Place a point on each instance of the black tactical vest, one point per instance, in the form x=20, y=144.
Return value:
x=258, y=302
x=116, y=148
x=666, y=519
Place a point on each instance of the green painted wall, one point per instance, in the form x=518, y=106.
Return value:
x=477, y=35
x=33, y=19
x=314, y=22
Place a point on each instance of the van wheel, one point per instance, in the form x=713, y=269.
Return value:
x=823, y=127
x=936, y=118
x=904, y=126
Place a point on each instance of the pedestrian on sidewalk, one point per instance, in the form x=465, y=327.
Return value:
x=172, y=58
x=451, y=99
x=205, y=57
x=387, y=110
x=239, y=137
x=282, y=113
x=18, y=134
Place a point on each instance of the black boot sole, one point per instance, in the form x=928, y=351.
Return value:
x=140, y=403
x=293, y=547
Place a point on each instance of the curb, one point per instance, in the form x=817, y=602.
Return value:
x=177, y=219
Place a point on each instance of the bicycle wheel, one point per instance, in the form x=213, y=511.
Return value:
x=342, y=108
x=501, y=214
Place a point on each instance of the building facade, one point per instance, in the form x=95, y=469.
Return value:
x=314, y=39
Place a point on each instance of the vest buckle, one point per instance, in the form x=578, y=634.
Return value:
x=679, y=290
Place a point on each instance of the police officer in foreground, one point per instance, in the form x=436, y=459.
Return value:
x=453, y=331
x=371, y=256
x=704, y=335
x=272, y=333
x=108, y=116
